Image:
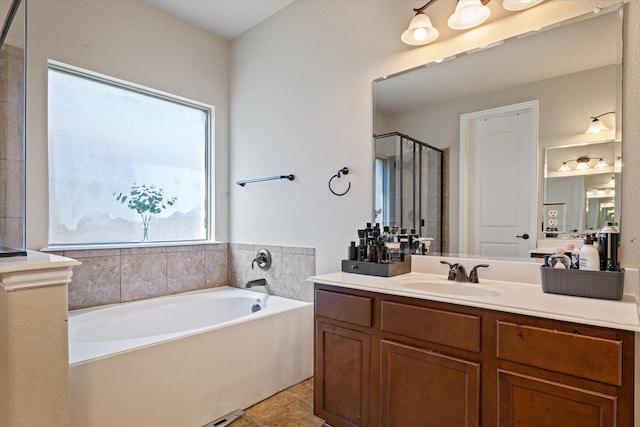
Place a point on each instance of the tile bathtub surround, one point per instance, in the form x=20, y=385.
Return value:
x=109, y=276
x=290, y=267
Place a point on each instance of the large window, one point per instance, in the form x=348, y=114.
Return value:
x=126, y=164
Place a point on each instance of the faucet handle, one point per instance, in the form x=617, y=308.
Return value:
x=473, y=276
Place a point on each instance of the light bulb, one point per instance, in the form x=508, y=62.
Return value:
x=419, y=34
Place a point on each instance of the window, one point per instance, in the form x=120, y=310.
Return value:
x=126, y=164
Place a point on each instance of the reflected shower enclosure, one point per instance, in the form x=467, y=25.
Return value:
x=408, y=188
x=12, y=129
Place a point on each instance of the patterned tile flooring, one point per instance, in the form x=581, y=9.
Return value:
x=292, y=407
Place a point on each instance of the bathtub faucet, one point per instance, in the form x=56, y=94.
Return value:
x=257, y=282
x=262, y=259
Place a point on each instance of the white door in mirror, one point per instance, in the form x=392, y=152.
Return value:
x=501, y=167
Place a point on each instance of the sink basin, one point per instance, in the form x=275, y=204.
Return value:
x=451, y=288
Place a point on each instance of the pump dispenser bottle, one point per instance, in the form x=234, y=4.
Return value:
x=589, y=256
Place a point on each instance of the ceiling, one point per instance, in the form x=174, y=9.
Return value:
x=225, y=18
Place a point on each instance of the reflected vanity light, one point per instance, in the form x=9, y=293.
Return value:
x=596, y=125
x=582, y=163
x=467, y=14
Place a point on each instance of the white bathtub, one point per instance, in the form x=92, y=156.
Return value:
x=184, y=360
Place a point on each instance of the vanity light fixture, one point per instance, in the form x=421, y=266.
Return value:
x=469, y=14
x=514, y=5
x=596, y=125
x=582, y=163
x=421, y=30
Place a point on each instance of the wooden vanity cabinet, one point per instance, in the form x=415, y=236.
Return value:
x=384, y=360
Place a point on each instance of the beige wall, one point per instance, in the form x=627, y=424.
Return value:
x=302, y=104
x=129, y=40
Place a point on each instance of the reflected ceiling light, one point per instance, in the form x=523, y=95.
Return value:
x=421, y=30
x=469, y=14
x=520, y=4
x=583, y=163
x=564, y=167
x=596, y=125
x=618, y=162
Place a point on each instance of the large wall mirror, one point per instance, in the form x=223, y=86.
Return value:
x=543, y=87
x=12, y=125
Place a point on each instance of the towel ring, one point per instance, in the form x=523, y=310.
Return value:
x=343, y=171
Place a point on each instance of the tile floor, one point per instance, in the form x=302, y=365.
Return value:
x=292, y=407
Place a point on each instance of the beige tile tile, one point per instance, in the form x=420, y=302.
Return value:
x=216, y=268
x=303, y=389
x=185, y=271
x=270, y=409
x=143, y=276
x=95, y=282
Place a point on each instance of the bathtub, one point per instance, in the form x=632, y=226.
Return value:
x=185, y=360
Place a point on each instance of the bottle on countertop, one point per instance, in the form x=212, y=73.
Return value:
x=589, y=256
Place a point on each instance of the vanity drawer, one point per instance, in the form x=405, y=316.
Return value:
x=583, y=356
x=344, y=307
x=441, y=327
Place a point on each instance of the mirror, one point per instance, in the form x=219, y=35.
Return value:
x=12, y=121
x=572, y=70
x=408, y=176
x=581, y=188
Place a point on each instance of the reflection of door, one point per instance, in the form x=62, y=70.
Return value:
x=498, y=159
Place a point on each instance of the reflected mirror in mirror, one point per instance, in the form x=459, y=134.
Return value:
x=581, y=188
x=12, y=110
x=569, y=72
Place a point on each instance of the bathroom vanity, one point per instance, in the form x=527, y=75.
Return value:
x=418, y=350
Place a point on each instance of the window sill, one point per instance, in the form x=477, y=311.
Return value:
x=63, y=248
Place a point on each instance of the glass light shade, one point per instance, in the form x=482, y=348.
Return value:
x=515, y=5
x=564, y=167
x=582, y=165
x=420, y=31
x=601, y=164
x=596, y=126
x=468, y=14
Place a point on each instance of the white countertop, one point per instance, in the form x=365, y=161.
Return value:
x=520, y=293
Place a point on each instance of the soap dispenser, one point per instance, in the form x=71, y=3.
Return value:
x=589, y=256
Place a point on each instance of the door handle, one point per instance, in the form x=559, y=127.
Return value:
x=525, y=236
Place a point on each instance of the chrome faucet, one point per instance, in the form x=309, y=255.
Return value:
x=458, y=273
x=257, y=282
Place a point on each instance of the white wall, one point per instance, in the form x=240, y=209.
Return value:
x=302, y=104
x=129, y=40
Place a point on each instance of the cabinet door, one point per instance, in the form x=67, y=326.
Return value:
x=342, y=375
x=526, y=401
x=423, y=388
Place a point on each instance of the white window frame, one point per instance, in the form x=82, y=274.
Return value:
x=209, y=157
